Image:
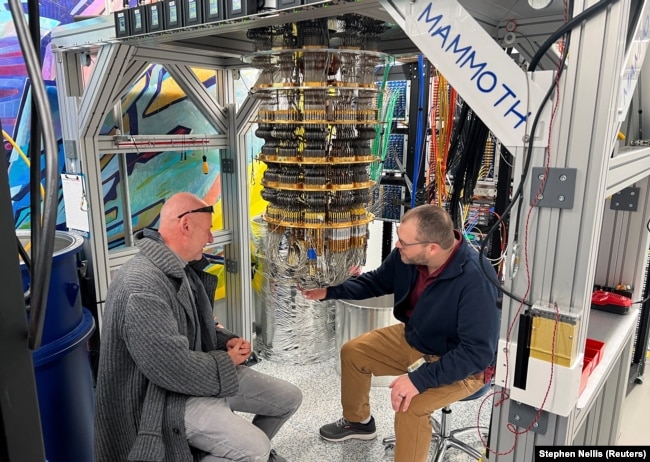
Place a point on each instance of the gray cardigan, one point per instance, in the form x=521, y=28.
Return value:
x=148, y=366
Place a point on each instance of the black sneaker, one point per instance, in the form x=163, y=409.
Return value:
x=275, y=457
x=343, y=429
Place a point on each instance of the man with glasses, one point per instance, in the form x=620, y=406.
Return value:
x=169, y=380
x=447, y=337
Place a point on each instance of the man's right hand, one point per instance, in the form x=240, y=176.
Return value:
x=314, y=294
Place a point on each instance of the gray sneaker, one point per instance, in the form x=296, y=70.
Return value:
x=343, y=429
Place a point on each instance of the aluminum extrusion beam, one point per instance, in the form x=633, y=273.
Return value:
x=133, y=71
x=156, y=143
x=168, y=54
x=630, y=165
x=73, y=83
x=236, y=218
x=559, y=243
x=197, y=93
x=101, y=94
x=625, y=254
x=85, y=34
x=247, y=110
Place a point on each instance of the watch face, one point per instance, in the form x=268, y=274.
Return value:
x=539, y=4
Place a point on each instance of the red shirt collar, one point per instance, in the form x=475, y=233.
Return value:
x=425, y=269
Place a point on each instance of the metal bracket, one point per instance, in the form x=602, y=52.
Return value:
x=70, y=149
x=227, y=166
x=626, y=199
x=523, y=415
x=232, y=266
x=559, y=187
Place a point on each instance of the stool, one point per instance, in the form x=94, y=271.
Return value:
x=444, y=437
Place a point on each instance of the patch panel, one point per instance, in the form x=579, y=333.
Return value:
x=395, y=159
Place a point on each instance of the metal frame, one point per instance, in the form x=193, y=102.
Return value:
x=90, y=105
x=567, y=248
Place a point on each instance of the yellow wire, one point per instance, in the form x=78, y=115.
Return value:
x=22, y=156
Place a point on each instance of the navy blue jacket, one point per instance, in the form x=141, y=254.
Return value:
x=456, y=317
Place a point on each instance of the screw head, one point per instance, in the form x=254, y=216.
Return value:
x=562, y=177
x=560, y=198
x=540, y=196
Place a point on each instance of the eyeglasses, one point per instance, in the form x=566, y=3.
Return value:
x=407, y=244
x=206, y=209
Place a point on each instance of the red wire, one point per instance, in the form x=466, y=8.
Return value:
x=504, y=395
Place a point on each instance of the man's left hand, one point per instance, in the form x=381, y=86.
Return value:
x=402, y=392
x=244, y=346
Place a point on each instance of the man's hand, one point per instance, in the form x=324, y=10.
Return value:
x=238, y=349
x=314, y=294
x=402, y=392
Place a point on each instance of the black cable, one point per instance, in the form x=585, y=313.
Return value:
x=34, y=151
x=519, y=192
x=565, y=28
x=43, y=250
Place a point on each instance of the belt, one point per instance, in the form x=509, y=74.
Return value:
x=485, y=375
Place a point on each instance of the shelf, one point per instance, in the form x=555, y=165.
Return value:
x=615, y=330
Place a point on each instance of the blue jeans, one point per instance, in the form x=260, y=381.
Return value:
x=212, y=427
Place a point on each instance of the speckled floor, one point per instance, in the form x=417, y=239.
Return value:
x=298, y=440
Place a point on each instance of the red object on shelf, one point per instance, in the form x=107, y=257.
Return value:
x=594, y=350
x=586, y=372
x=610, y=302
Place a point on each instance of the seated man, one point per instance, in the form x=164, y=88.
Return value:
x=168, y=378
x=447, y=337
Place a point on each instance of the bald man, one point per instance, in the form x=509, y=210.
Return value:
x=168, y=379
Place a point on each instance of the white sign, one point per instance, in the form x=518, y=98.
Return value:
x=484, y=75
x=634, y=62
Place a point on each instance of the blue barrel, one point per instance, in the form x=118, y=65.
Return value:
x=65, y=394
x=63, y=300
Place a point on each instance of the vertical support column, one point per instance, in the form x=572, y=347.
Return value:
x=236, y=218
x=114, y=64
x=235, y=202
x=68, y=96
x=559, y=244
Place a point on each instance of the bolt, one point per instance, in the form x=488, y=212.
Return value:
x=562, y=177
x=540, y=197
x=535, y=425
x=631, y=193
x=525, y=138
x=517, y=418
x=630, y=205
x=617, y=204
x=540, y=177
x=560, y=198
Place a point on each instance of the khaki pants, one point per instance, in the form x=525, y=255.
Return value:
x=385, y=352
